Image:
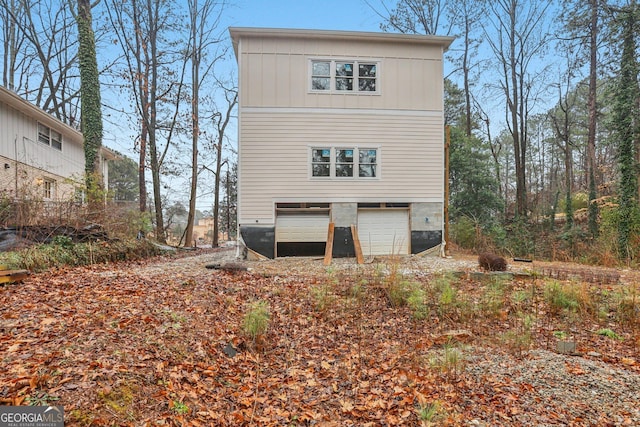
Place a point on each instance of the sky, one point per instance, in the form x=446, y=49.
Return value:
x=350, y=15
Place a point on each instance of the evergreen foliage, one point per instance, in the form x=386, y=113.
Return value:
x=91, y=113
x=625, y=117
x=474, y=190
x=123, y=179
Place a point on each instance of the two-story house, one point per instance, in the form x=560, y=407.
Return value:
x=40, y=156
x=339, y=127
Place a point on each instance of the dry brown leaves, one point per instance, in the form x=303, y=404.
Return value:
x=124, y=344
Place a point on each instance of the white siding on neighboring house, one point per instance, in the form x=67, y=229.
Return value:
x=30, y=160
x=275, y=165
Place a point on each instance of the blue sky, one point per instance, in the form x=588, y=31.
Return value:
x=352, y=15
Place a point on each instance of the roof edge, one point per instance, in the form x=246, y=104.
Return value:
x=444, y=41
x=14, y=100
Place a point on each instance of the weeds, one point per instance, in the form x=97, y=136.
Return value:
x=560, y=298
x=415, y=301
x=492, y=303
x=520, y=339
x=323, y=296
x=429, y=412
x=447, y=297
x=628, y=306
x=179, y=407
x=42, y=257
x=256, y=320
x=450, y=362
x=41, y=399
x=609, y=334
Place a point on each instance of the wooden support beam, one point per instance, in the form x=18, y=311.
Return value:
x=328, y=252
x=356, y=244
x=13, y=276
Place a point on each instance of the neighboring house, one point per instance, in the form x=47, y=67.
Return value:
x=339, y=127
x=203, y=230
x=40, y=156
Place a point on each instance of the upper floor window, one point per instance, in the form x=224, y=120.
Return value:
x=348, y=162
x=344, y=76
x=48, y=136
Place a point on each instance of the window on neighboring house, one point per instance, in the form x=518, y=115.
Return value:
x=48, y=136
x=344, y=162
x=48, y=188
x=344, y=76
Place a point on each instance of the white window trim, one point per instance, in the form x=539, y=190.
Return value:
x=332, y=75
x=356, y=169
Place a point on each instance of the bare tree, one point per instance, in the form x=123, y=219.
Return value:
x=40, y=55
x=413, y=16
x=155, y=68
x=12, y=42
x=467, y=16
x=517, y=40
x=563, y=123
x=221, y=123
x=204, y=20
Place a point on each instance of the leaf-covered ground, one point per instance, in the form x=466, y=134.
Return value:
x=153, y=343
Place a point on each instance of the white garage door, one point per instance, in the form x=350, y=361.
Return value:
x=383, y=232
x=302, y=228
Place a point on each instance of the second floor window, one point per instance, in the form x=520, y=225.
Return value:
x=344, y=76
x=50, y=137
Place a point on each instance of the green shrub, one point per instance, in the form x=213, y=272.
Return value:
x=464, y=232
x=42, y=257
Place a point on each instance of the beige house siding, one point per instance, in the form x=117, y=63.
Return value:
x=275, y=164
x=281, y=118
x=275, y=73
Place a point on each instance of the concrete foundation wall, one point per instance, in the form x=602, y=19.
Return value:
x=344, y=214
x=426, y=217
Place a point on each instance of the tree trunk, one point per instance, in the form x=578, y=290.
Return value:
x=591, y=137
x=195, y=130
x=222, y=127
x=91, y=113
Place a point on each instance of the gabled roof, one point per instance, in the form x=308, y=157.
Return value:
x=237, y=32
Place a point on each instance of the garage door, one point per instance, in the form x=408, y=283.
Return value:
x=383, y=232
x=302, y=228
